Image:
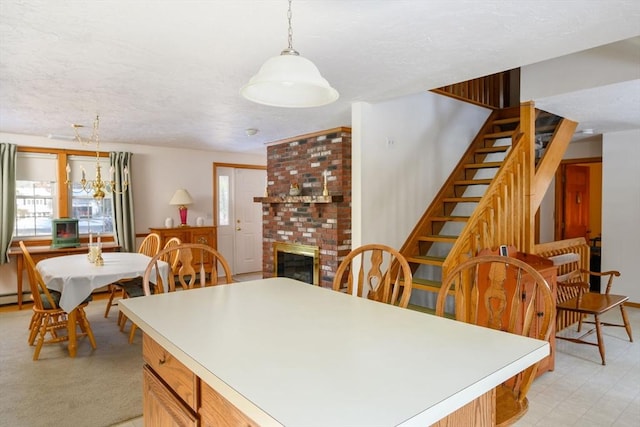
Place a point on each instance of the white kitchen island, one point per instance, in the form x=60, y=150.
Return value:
x=288, y=353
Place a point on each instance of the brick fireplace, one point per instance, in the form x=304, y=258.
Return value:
x=310, y=218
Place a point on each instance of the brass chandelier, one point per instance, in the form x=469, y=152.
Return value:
x=97, y=185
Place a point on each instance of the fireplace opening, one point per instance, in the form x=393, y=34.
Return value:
x=299, y=262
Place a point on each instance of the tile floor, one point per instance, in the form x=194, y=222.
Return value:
x=580, y=391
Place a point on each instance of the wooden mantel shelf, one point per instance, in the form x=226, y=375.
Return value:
x=299, y=199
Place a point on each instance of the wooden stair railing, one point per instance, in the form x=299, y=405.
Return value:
x=494, y=91
x=504, y=212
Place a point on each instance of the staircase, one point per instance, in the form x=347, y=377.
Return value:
x=490, y=198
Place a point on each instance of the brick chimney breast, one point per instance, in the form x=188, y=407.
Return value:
x=305, y=160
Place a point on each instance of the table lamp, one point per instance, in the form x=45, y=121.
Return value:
x=182, y=198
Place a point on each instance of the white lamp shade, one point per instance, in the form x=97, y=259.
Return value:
x=181, y=197
x=289, y=81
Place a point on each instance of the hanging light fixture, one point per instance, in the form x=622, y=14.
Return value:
x=289, y=80
x=98, y=187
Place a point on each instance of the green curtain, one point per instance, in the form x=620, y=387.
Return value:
x=8, y=155
x=124, y=226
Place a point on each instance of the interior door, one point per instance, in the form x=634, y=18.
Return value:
x=239, y=218
x=576, y=202
x=249, y=183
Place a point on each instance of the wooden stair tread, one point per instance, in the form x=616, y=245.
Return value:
x=496, y=135
x=473, y=182
x=438, y=238
x=506, y=121
x=424, y=259
x=484, y=165
x=462, y=199
x=450, y=218
x=493, y=149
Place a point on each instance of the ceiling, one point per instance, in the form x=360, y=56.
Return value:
x=168, y=73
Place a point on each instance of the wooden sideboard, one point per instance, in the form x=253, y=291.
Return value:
x=39, y=253
x=188, y=234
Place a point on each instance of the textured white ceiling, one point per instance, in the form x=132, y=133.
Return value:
x=167, y=73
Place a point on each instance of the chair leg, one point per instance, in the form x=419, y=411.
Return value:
x=113, y=290
x=599, y=335
x=132, y=333
x=627, y=325
x=85, y=326
x=43, y=332
x=122, y=321
x=35, y=327
x=580, y=318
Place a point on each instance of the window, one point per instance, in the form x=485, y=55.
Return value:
x=223, y=200
x=41, y=191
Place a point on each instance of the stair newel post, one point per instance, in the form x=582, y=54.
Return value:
x=528, y=128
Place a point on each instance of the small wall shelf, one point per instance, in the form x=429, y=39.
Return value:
x=299, y=199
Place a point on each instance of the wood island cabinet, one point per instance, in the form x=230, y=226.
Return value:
x=187, y=234
x=174, y=395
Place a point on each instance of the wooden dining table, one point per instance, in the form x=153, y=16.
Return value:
x=286, y=353
x=76, y=278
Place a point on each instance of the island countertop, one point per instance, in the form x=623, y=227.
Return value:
x=289, y=353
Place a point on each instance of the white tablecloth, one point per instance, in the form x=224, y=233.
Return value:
x=75, y=277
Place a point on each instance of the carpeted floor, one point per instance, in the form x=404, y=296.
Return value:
x=97, y=388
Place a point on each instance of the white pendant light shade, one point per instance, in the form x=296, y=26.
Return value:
x=290, y=81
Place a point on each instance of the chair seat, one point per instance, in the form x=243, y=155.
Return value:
x=55, y=295
x=592, y=303
x=509, y=409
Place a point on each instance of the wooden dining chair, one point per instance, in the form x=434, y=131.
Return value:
x=48, y=317
x=378, y=272
x=149, y=246
x=185, y=270
x=574, y=297
x=506, y=294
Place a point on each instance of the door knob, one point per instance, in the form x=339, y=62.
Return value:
x=238, y=229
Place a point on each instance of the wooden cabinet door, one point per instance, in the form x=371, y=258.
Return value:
x=218, y=411
x=161, y=407
x=205, y=236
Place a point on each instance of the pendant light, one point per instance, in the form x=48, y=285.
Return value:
x=289, y=80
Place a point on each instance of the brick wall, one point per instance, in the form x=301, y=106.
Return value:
x=304, y=160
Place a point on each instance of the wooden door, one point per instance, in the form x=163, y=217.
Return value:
x=576, y=202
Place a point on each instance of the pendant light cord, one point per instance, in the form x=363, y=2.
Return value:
x=289, y=50
x=290, y=29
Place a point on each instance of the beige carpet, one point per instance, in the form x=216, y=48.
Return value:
x=98, y=388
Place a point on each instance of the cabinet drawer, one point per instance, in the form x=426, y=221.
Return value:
x=217, y=411
x=182, y=381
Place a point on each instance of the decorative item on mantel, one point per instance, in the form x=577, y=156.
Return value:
x=294, y=190
x=325, y=191
x=182, y=198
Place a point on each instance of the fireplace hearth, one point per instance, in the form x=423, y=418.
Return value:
x=299, y=262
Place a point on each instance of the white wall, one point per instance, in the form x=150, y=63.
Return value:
x=621, y=210
x=608, y=64
x=156, y=174
x=403, y=151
